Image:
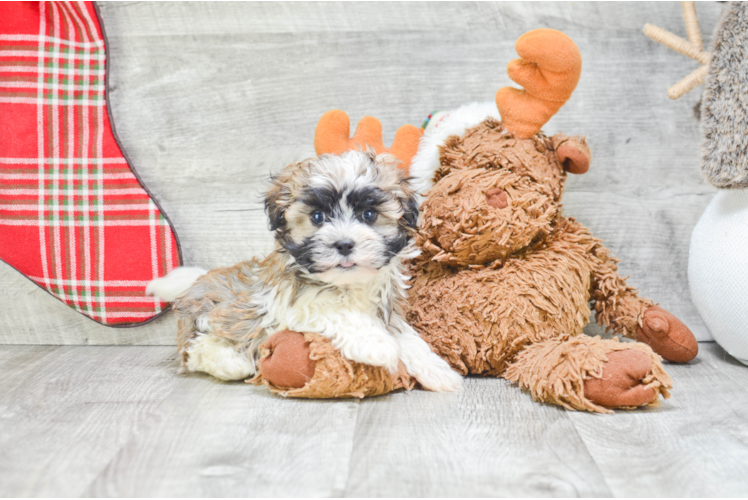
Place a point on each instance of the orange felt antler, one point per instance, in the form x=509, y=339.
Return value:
x=549, y=72
x=333, y=136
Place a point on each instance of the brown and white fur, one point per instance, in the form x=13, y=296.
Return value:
x=343, y=224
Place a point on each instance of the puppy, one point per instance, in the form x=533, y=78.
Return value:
x=342, y=224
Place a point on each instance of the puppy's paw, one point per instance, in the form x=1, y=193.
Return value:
x=439, y=377
x=375, y=350
x=216, y=356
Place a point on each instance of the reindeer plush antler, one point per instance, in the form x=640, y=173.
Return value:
x=549, y=70
x=333, y=136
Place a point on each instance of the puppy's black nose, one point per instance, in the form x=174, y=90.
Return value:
x=345, y=247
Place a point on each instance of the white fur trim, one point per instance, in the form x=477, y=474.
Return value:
x=426, y=161
x=174, y=284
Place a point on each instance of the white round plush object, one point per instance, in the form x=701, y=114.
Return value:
x=718, y=270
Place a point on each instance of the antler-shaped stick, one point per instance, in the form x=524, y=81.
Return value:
x=549, y=71
x=333, y=136
x=693, y=48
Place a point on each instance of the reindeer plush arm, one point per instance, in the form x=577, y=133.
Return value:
x=619, y=308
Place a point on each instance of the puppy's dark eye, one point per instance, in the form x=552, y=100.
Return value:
x=369, y=215
x=317, y=217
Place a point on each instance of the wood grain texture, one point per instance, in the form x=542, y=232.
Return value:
x=231, y=439
x=490, y=439
x=119, y=421
x=210, y=98
x=66, y=411
x=695, y=445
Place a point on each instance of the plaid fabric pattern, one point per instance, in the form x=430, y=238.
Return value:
x=73, y=217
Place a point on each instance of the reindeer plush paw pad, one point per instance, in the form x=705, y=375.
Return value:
x=667, y=335
x=287, y=362
x=622, y=382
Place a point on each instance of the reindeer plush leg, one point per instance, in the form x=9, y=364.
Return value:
x=308, y=366
x=591, y=374
x=620, y=309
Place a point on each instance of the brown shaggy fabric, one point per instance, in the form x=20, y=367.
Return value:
x=555, y=371
x=488, y=146
x=505, y=282
x=724, y=108
x=452, y=234
x=479, y=319
x=617, y=305
x=462, y=224
x=337, y=377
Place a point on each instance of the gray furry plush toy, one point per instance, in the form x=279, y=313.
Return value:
x=724, y=105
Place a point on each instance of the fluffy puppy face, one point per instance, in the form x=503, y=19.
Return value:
x=343, y=218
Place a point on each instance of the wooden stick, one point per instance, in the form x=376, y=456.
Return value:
x=677, y=43
x=692, y=24
x=689, y=83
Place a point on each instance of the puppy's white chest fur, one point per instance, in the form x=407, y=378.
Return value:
x=354, y=317
x=317, y=310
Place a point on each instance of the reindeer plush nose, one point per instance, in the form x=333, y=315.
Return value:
x=496, y=198
x=344, y=247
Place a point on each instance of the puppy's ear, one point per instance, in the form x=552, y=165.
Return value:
x=280, y=195
x=276, y=204
x=409, y=203
x=399, y=182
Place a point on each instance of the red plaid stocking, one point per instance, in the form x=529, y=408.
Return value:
x=74, y=217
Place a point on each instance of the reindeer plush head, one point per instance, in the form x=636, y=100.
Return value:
x=498, y=186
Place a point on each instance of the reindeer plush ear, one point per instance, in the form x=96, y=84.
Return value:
x=549, y=70
x=573, y=153
x=333, y=131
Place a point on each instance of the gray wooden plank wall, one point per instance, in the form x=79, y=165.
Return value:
x=209, y=98
x=117, y=421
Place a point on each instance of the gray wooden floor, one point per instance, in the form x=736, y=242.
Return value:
x=118, y=421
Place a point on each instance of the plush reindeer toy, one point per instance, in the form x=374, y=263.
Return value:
x=504, y=284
